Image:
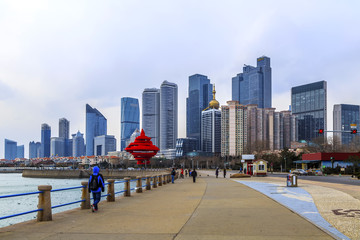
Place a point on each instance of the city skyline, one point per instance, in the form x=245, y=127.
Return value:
x=49, y=69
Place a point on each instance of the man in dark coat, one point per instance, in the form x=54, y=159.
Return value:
x=194, y=175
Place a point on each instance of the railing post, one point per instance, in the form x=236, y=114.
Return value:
x=127, y=187
x=44, y=203
x=110, y=191
x=168, y=178
x=164, y=179
x=155, y=182
x=139, y=185
x=148, y=184
x=160, y=180
x=85, y=195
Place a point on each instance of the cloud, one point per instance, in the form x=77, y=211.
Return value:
x=57, y=56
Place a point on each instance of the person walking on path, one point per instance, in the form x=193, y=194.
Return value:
x=217, y=172
x=224, y=172
x=186, y=172
x=96, y=186
x=194, y=175
x=182, y=173
x=173, y=172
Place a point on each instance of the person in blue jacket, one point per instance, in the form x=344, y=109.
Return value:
x=96, y=186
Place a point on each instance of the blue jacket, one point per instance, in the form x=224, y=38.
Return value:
x=100, y=180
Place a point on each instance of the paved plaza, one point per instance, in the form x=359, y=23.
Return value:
x=211, y=208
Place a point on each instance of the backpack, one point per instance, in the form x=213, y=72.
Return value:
x=94, y=184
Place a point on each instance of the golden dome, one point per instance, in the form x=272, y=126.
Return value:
x=214, y=103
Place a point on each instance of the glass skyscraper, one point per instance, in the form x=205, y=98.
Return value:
x=308, y=104
x=78, y=144
x=20, y=151
x=64, y=126
x=10, y=149
x=168, y=115
x=344, y=116
x=57, y=147
x=253, y=86
x=151, y=114
x=34, y=149
x=198, y=99
x=96, y=125
x=130, y=118
x=45, y=140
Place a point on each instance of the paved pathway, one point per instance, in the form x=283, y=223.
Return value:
x=209, y=209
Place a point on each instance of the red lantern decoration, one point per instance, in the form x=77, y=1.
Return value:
x=142, y=149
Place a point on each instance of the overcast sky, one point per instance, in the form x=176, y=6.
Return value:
x=56, y=56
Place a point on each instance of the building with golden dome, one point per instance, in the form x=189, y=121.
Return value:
x=211, y=127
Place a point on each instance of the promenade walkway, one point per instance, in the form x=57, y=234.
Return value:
x=209, y=209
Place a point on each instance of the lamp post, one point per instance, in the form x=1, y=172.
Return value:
x=285, y=163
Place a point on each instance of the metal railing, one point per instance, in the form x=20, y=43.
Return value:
x=85, y=199
x=23, y=213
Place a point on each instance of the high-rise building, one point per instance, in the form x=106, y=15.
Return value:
x=269, y=130
x=151, y=114
x=253, y=86
x=57, y=147
x=130, y=118
x=10, y=149
x=104, y=144
x=34, y=149
x=45, y=140
x=20, y=151
x=308, y=104
x=96, y=125
x=168, y=115
x=64, y=128
x=289, y=129
x=78, y=144
x=211, y=127
x=64, y=132
x=233, y=129
x=345, y=115
x=198, y=99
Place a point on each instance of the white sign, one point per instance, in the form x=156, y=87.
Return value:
x=248, y=156
x=242, y=160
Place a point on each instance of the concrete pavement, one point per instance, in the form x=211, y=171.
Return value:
x=209, y=209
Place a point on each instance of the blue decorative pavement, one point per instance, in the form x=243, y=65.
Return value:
x=298, y=200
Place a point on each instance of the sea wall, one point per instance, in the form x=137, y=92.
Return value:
x=107, y=173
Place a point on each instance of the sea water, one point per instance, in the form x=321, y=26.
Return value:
x=14, y=183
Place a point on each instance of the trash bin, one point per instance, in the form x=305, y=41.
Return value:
x=291, y=180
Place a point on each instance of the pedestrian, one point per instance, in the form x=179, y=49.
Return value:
x=96, y=186
x=224, y=172
x=194, y=175
x=189, y=172
x=244, y=170
x=173, y=173
x=217, y=172
x=186, y=172
x=182, y=173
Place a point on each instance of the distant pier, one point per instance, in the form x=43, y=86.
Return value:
x=107, y=173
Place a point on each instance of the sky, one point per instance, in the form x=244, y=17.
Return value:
x=56, y=56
